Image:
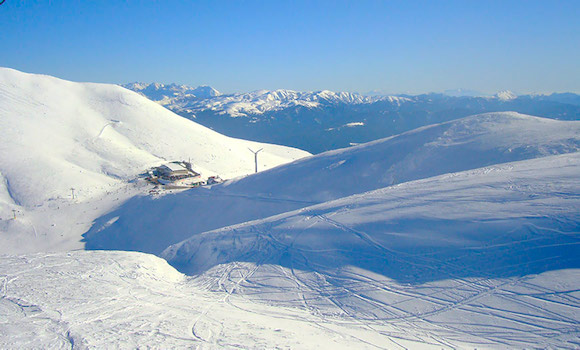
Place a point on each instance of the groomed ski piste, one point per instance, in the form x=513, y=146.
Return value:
x=458, y=235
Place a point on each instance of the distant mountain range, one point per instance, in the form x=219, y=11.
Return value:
x=323, y=120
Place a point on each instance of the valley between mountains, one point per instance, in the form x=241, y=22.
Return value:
x=454, y=231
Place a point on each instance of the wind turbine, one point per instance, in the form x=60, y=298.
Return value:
x=256, y=156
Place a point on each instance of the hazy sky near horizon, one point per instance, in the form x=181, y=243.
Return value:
x=235, y=46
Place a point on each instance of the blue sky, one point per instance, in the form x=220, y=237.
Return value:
x=391, y=46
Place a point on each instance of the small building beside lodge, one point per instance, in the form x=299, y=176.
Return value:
x=212, y=180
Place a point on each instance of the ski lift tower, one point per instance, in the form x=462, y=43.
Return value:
x=256, y=157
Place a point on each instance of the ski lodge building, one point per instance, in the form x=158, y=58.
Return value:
x=178, y=173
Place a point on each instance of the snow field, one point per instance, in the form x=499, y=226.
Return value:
x=486, y=258
x=464, y=144
x=62, y=138
x=463, y=234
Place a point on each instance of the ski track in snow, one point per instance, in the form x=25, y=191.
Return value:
x=472, y=244
x=272, y=261
x=285, y=290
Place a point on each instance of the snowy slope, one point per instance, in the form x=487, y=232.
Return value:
x=102, y=133
x=121, y=300
x=467, y=238
x=58, y=135
x=131, y=300
x=487, y=256
x=464, y=144
x=458, y=145
x=337, y=275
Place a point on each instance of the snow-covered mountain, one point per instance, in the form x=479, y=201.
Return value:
x=506, y=95
x=264, y=101
x=460, y=234
x=62, y=139
x=167, y=93
x=484, y=258
x=460, y=145
x=316, y=121
x=185, y=98
x=478, y=259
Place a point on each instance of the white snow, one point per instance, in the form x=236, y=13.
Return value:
x=506, y=95
x=262, y=101
x=124, y=300
x=344, y=274
x=167, y=94
x=354, y=124
x=484, y=258
x=59, y=135
x=459, y=145
x=463, y=234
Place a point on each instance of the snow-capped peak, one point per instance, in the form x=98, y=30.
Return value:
x=169, y=93
x=205, y=91
x=506, y=95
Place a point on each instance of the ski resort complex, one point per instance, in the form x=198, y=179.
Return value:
x=290, y=175
x=385, y=244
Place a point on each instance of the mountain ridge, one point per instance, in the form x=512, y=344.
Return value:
x=323, y=120
x=459, y=145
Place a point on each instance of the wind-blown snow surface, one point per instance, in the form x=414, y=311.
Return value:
x=123, y=300
x=401, y=267
x=484, y=258
x=464, y=144
x=58, y=135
